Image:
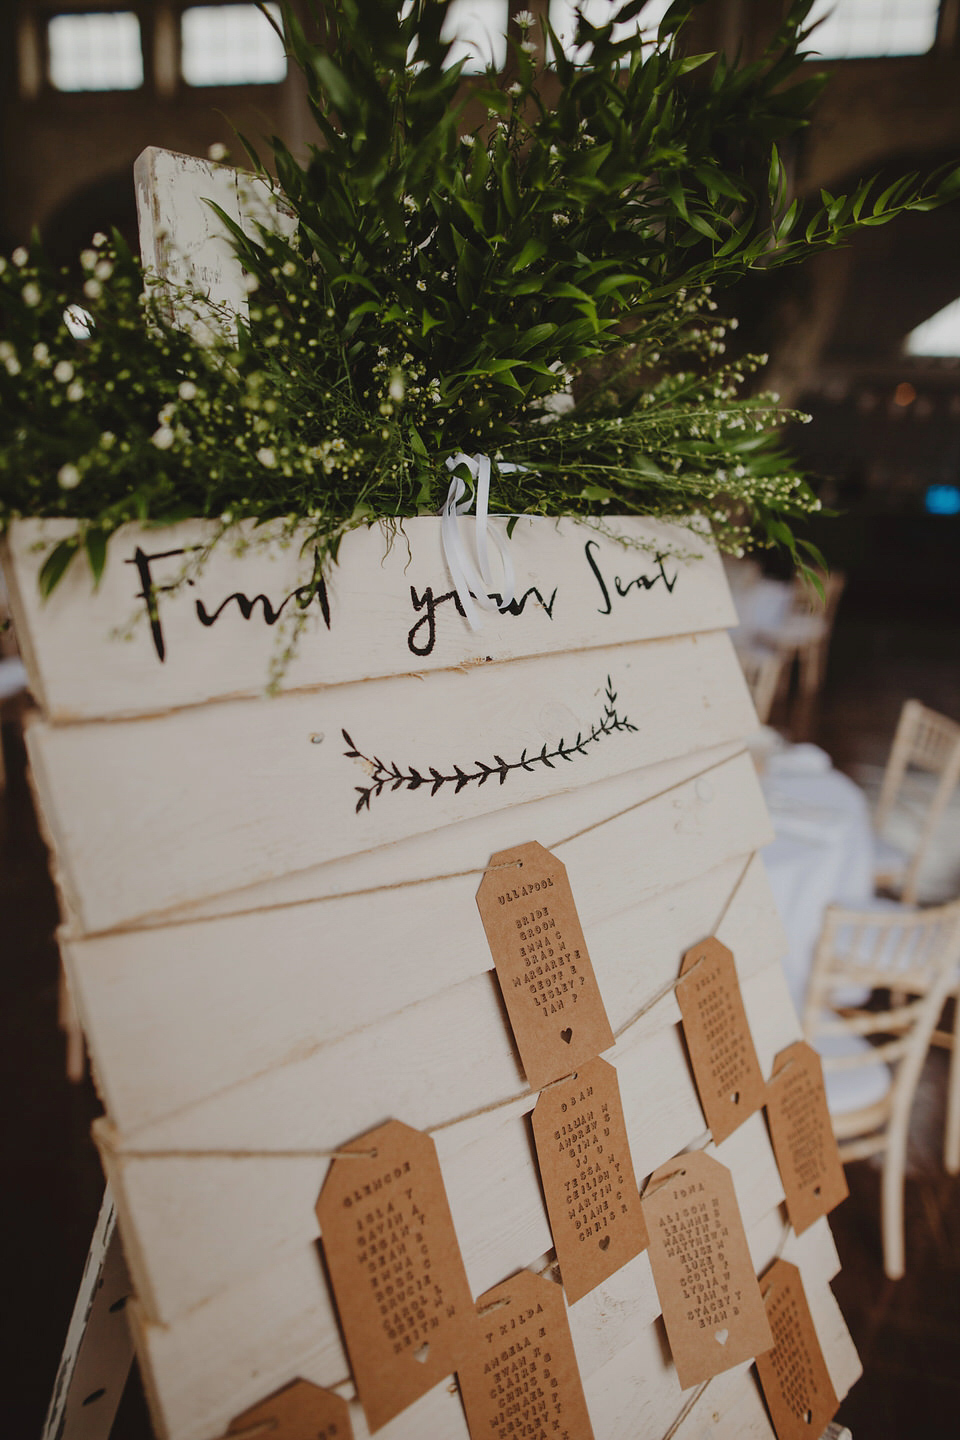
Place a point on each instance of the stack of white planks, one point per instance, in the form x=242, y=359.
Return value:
x=272, y=941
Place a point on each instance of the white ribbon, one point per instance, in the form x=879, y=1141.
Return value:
x=474, y=579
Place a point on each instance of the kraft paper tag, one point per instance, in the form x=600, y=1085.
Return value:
x=588, y=1180
x=729, y=1079
x=802, y=1135
x=401, y=1290
x=708, y=1292
x=794, y=1376
x=545, y=973
x=520, y=1376
x=300, y=1411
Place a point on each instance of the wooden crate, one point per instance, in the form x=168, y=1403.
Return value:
x=271, y=937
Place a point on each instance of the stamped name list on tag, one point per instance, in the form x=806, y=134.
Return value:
x=802, y=1135
x=592, y=1198
x=793, y=1374
x=711, y=1303
x=545, y=972
x=520, y=1377
x=300, y=1411
x=725, y=1066
x=398, y=1278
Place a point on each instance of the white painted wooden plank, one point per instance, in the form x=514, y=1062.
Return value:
x=98, y=1350
x=196, y=1224
x=470, y=842
x=294, y=1330
x=183, y=240
x=247, y=787
x=388, y=608
x=175, y=1014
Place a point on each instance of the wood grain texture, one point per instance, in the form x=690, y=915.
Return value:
x=174, y=1015
x=388, y=607
x=245, y=785
x=197, y=1224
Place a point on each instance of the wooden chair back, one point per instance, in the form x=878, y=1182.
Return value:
x=762, y=669
x=931, y=742
x=914, y=954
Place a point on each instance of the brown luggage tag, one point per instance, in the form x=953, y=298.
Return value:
x=708, y=1291
x=587, y=1173
x=400, y=1287
x=545, y=973
x=793, y=1374
x=802, y=1135
x=729, y=1079
x=300, y=1411
x=520, y=1375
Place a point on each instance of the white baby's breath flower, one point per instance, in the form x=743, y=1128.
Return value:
x=41, y=353
x=162, y=438
x=20, y=257
x=99, y=239
x=107, y=440
x=68, y=477
x=396, y=388
x=7, y=351
x=515, y=89
x=217, y=152
x=166, y=412
x=289, y=268
x=88, y=259
x=12, y=365
x=187, y=390
x=267, y=457
x=529, y=46
x=75, y=391
x=524, y=19
x=103, y=269
x=31, y=294
x=92, y=289
x=421, y=284
x=63, y=372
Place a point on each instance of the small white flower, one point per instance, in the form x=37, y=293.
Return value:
x=529, y=46
x=7, y=351
x=267, y=457
x=92, y=289
x=99, y=239
x=12, y=366
x=162, y=438
x=75, y=391
x=88, y=259
x=289, y=268
x=41, y=354
x=217, y=152
x=524, y=19
x=63, y=372
x=103, y=269
x=396, y=388
x=166, y=412
x=107, y=440
x=250, y=284
x=515, y=89
x=187, y=390
x=421, y=284
x=31, y=294
x=20, y=257
x=68, y=477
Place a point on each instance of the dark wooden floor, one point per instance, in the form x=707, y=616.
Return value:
x=908, y=1332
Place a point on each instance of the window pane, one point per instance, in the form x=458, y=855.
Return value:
x=872, y=27
x=940, y=335
x=95, y=52
x=231, y=45
x=478, y=30
x=563, y=18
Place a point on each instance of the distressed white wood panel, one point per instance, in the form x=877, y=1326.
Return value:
x=199, y=1223
x=174, y=1014
x=185, y=241
x=388, y=608
x=467, y=845
x=291, y=1327
x=246, y=786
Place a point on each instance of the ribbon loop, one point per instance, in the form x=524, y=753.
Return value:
x=474, y=579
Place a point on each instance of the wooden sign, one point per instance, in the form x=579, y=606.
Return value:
x=269, y=924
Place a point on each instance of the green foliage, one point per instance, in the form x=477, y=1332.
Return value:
x=539, y=290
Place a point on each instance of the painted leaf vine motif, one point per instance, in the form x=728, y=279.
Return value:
x=396, y=777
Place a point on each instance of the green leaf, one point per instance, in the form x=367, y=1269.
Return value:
x=53, y=567
x=95, y=544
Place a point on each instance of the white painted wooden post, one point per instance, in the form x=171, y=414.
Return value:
x=268, y=905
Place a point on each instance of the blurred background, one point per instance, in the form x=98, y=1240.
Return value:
x=866, y=339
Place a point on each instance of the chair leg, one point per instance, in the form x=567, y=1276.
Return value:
x=891, y=1203
x=951, y=1139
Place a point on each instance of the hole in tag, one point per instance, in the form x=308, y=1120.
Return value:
x=95, y=1395
x=604, y=1243
x=816, y=1189
x=566, y=1036
x=735, y=1097
x=422, y=1353
x=807, y=1417
x=721, y=1336
x=119, y=1304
